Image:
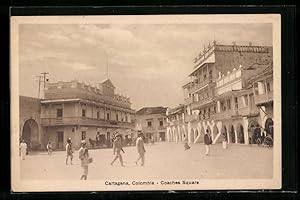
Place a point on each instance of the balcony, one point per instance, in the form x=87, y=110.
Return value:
x=199, y=86
x=188, y=101
x=226, y=114
x=202, y=102
x=263, y=98
x=248, y=111
x=190, y=118
x=84, y=121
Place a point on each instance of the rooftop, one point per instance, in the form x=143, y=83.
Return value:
x=152, y=110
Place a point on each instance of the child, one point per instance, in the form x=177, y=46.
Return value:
x=49, y=148
x=84, y=157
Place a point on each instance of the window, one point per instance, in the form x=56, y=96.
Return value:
x=149, y=123
x=246, y=100
x=236, y=102
x=268, y=87
x=161, y=122
x=98, y=114
x=204, y=76
x=215, y=109
x=83, y=135
x=107, y=116
x=83, y=113
x=210, y=76
x=223, y=107
x=59, y=113
x=228, y=104
x=256, y=88
x=117, y=117
x=126, y=118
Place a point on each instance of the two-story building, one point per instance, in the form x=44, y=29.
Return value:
x=152, y=122
x=79, y=111
x=220, y=97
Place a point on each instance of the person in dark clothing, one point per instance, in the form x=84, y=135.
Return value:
x=117, y=148
x=207, y=142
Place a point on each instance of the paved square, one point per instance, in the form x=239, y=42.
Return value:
x=163, y=161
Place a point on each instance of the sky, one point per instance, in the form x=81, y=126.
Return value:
x=147, y=62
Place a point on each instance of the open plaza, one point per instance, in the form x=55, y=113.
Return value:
x=164, y=160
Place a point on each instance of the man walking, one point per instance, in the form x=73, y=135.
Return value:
x=207, y=142
x=117, y=147
x=23, y=148
x=140, y=149
x=84, y=157
x=69, y=151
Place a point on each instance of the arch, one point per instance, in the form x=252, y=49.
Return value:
x=240, y=133
x=232, y=134
x=215, y=131
x=269, y=127
x=30, y=133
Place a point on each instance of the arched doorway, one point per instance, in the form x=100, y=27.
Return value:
x=240, y=134
x=269, y=126
x=30, y=134
x=255, y=133
x=232, y=134
x=224, y=133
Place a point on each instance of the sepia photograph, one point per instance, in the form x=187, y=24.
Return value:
x=150, y=102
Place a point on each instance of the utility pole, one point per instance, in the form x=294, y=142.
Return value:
x=44, y=75
x=39, y=80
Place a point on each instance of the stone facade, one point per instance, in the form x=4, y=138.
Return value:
x=221, y=96
x=30, y=121
x=79, y=111
x=152, y=122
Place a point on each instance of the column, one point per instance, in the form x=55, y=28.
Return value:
x=189, y=132
x=235, y=136
x=246, y=133
x=218, y=106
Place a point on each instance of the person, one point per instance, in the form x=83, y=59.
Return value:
x=49, y=148
x=140, y=149
x=84, y=157
x=117, y=148
x=23, y=148
x=186, y=146
x=69, y=151
x=224, y=141
x=207, y=142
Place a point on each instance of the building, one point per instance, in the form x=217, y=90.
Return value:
x=220, y=96
x=79, y=111
x=152, y=122
x=30, y=121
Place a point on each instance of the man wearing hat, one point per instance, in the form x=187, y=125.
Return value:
x=69, y=150
x=140, y=148
x=84, y=157
x=117, y=147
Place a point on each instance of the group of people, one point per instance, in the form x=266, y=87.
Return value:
x=207, y=142
x=117, y=148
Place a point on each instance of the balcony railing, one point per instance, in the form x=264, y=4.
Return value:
x=198, y=86
x=200, y=103
x=188, y=101
x=226, y=114
x=189, y=118
x=246, y=111
x=263, y=98
x=84, y=121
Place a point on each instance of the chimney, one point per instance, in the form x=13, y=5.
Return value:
x=250, y=44
x=233, y=43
